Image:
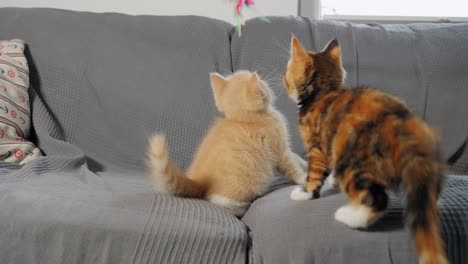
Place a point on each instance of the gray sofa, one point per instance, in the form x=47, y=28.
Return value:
x=102, y=83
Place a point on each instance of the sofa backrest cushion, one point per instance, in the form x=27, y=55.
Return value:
x=111, y=80
x=426, y=64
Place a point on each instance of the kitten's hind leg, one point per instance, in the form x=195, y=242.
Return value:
x=355, y=216
x=368, y=201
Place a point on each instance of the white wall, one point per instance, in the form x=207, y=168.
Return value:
x=220, y=9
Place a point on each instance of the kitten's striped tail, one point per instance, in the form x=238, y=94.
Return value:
x=166, y=177
x=422, y=180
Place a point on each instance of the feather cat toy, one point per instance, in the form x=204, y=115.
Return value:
x=240, y=6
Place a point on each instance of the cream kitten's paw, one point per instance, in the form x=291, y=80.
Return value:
x=301, y=180
x=299, y=194
x=301, y=162
x=353, y=216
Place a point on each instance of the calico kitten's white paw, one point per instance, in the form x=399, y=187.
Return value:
x=299, y=194
x=353, y=216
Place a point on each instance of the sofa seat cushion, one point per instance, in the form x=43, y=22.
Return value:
x=85, y=217
x=286, y=231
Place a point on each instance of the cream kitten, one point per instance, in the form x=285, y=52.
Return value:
x=236, y=159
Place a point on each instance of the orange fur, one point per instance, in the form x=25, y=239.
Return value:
x=372, y=142
x=236, y=159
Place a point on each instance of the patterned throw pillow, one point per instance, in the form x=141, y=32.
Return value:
x=15, y=116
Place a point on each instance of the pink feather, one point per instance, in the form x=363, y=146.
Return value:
x=239, y=6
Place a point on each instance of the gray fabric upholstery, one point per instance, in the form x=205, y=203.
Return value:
x=101, y=83
x=286, y=231
x=82, y=217
x=425, y=64
x=458, y=163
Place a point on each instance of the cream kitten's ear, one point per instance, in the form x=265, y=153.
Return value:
x=217, y=80
x=256, y=91
x=254, y=77
x=333, y=49
x=298, y=53
x=218, y=84
x=254, y=82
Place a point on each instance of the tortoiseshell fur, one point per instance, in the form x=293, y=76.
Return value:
x=371, y=141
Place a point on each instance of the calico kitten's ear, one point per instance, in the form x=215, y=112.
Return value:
x=218, y=83
x=298, y=53
x=333, y=49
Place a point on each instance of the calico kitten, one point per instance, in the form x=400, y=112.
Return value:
x=371, y=141
x=236, y=159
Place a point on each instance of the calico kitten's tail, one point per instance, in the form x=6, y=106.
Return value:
x=166, y=177
x=422, y=180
